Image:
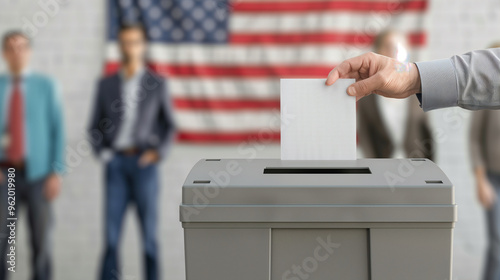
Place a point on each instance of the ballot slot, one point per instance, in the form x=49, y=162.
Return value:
x=320, y=170
x=201, y=182
x=433, y=181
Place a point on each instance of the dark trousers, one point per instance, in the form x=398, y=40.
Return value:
x=492, y=267
x=29, y=194
x=126, y=183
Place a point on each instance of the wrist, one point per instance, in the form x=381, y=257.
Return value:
x=415, y=82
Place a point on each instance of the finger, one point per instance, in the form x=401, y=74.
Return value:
x=365, y=87
x=345, y=69
x=341, y=70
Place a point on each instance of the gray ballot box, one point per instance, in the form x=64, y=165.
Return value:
x=261, y=219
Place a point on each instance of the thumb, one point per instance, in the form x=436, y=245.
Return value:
x=365, y=87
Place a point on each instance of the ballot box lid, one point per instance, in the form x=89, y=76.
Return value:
x=231, y=185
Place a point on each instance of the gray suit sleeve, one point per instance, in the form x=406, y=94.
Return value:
x=471, y=81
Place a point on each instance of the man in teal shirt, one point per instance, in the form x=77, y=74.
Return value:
x=31, y=153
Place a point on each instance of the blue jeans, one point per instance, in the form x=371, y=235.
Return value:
x=127, y=182
x=30, y=195
x=492, y=269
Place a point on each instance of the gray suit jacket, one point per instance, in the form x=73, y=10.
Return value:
x=471, y=81
x=155, y=124
x=374, y=138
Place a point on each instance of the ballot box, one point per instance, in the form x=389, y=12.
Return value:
x=257, y=219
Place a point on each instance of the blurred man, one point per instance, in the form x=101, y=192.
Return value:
x=393, y=127
x=32, y=145
x=131, y=130
x=485, y=155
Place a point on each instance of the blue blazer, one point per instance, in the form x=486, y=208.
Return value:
x=155, y=127
x=44, y=143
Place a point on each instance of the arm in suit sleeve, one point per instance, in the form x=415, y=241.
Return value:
x=476, y=138
x=471, y=81
x=167, y=118
x=95, y=133
x=57, y=130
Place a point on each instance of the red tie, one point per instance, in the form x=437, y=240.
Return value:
x=15, y=150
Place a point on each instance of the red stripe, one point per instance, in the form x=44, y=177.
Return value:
x=312, y=71
x=111, y=67
x=416, y=39
x=228, y=137
x=221, y=104
x=204, y=71
x=311, y=6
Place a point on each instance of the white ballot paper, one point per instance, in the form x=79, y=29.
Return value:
x=318, y=122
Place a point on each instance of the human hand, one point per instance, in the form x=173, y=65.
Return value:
x=52, y=187
x=149, y=157
x=377, y=74
x=486, y=193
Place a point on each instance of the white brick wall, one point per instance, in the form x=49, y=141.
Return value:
x=70, y=47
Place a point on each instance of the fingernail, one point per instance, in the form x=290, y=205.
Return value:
x=351, y=91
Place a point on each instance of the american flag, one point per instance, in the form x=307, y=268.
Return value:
x=223, y=59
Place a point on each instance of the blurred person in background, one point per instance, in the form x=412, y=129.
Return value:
x=387, y=127
x=32, y=143
x=131, y=130
x=485, y=155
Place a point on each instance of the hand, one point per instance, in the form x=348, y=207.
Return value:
x=52, y=187
x=377, y=74
x=149, y=157
x=486, y=193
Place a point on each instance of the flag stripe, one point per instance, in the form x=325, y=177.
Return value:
x=249, y=55
x=225, y=88
x=225, y=105
x=324, y=21
x=214, y=137
x=313, y=6
x=204, y=71
x=355, y=39
x=228, y=120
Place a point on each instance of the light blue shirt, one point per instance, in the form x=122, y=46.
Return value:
x=44, y=126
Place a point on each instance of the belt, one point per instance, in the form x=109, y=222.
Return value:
x=17, y=165
x=129, y=151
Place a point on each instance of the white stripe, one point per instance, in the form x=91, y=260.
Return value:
x=263, y=1
x=250, y=55
x=228, y=121
x=247, y=55
x=224, y=88
x=112, y=51
x=347, y=22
